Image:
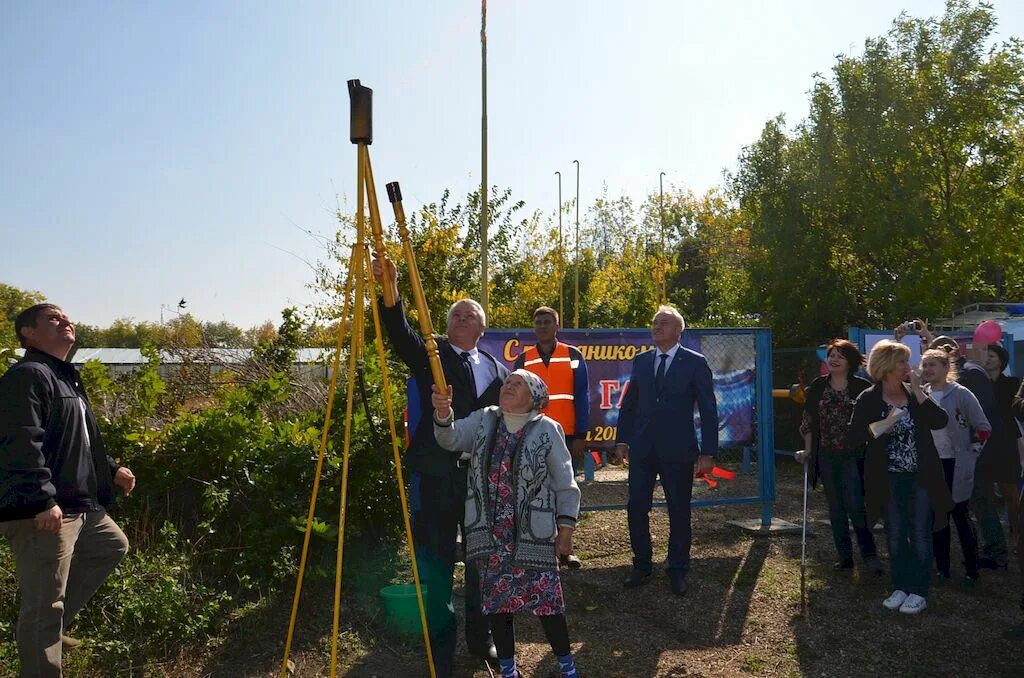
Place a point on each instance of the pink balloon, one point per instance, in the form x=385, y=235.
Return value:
x=988, y=332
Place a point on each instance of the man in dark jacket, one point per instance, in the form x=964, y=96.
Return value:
x=56, y=484
x=438, y=492
x=656, y=428
x=1018, y=412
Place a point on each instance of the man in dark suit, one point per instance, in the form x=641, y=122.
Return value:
x=656, y=429
x=438, y=491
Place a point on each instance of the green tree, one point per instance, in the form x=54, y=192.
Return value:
x=900, y=194
x=12, y=302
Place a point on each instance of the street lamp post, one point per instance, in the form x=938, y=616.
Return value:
x=178, y=308
x=484, y=214
x=664, y=258
x=561, y=255
x=576, y=298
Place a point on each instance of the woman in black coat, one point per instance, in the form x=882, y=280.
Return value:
x=902, y=471
x=1000, y=461
x=824, y=425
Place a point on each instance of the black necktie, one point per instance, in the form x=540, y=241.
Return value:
x=659, y=376
x=468, y=369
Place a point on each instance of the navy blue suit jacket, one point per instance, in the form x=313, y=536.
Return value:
x=661, y=424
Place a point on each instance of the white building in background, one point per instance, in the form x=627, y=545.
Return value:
x=309, y=362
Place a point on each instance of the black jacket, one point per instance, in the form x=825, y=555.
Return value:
x=425, y=455
x=51, y=452
x=1018, y=403
x=927, y=417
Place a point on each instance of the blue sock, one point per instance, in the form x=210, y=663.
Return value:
x=567, y=666
x=508, y=668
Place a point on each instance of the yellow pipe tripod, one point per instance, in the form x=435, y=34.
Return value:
x=356, y=285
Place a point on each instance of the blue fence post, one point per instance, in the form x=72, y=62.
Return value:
x=588, y=466
x=765, y=425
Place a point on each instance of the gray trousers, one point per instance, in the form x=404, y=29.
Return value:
x=57, y=575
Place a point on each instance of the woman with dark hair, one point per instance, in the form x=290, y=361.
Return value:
x=999, y=463
x=958, y=446
x=826, y=417
x=902, y=472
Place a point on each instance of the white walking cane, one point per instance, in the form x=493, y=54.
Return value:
x=803, y=546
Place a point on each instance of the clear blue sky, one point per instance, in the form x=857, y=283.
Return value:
x=159, y=150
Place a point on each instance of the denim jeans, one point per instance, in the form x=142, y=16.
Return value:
x=908, y=525
x=844, y=489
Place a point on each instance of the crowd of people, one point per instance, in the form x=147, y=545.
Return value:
x=493, y=456
x=918, y=445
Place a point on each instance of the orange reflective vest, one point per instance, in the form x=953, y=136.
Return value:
x=558, y=375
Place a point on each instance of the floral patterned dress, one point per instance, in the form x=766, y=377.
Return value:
x=503, y=587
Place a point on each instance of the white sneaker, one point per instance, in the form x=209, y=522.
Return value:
x=894, y=601
x=914, y=604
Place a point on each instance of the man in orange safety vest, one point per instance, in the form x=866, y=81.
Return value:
x=563, y=369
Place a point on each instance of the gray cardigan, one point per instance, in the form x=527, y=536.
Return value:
x=546, y=492
x=965, y=418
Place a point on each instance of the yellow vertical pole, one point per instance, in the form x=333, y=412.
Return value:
x=388, y=405
x=332, y=389
x=419, y=299
x=376, y=227
x=355, y=354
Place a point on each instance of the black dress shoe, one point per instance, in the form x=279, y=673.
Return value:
x=678, y=584
x=636, y=578
x=843, y=564
x=990, y=563
x=874, y=565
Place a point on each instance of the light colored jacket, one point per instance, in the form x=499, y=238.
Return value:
x=546, y=494
x=965, y=419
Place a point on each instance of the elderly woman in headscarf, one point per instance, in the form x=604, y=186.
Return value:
x=522, y=503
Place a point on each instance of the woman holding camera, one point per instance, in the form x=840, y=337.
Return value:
x=903, y=475
x=958, y=446
x=826, y=418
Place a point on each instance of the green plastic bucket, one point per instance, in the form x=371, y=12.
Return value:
x=400, y=607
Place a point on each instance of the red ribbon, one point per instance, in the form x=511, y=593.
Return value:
x=716, y=472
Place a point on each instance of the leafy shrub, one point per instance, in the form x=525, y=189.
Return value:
x=221, y=503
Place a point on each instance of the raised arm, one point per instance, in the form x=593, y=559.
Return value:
x=451, y=434
x=406, y=342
